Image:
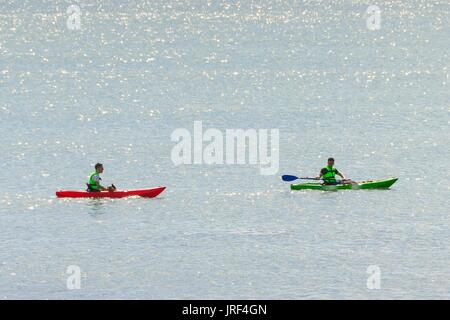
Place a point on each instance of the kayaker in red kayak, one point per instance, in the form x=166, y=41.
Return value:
x=94, y=181
x=328, y=175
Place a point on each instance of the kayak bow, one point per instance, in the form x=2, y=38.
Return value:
x=146, y=193
x=370, y=184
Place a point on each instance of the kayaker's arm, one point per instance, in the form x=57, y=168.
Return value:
x=100, y=187
x=341, y=175
x=344, y=179
x=322, y=172
x=97, y=180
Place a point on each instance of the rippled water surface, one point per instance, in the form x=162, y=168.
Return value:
x=115, y=90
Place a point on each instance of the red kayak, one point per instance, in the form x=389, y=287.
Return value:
x=146, y=193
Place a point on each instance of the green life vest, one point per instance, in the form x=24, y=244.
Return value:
x=92, y=184
x=329, y=176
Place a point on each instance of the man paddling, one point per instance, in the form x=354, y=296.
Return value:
x=94, y=181
x=328, y=175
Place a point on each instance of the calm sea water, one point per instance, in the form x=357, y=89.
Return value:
x=114, y=91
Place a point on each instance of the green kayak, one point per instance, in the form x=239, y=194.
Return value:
x=370, y=184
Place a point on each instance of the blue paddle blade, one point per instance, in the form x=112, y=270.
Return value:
x=288, y=178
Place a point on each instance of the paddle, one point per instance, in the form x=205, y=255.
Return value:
x=287, y=177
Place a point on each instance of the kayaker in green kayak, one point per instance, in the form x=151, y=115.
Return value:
x=328, y=175
x=94, y=181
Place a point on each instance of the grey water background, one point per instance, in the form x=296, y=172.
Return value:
x=115, y=90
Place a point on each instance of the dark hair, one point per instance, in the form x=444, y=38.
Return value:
x=98, y=165
x=330, y=159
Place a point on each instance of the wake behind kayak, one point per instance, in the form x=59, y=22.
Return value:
x=145, y=193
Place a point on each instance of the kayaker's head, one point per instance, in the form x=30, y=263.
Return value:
x=99, y=168
x=331, y=162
